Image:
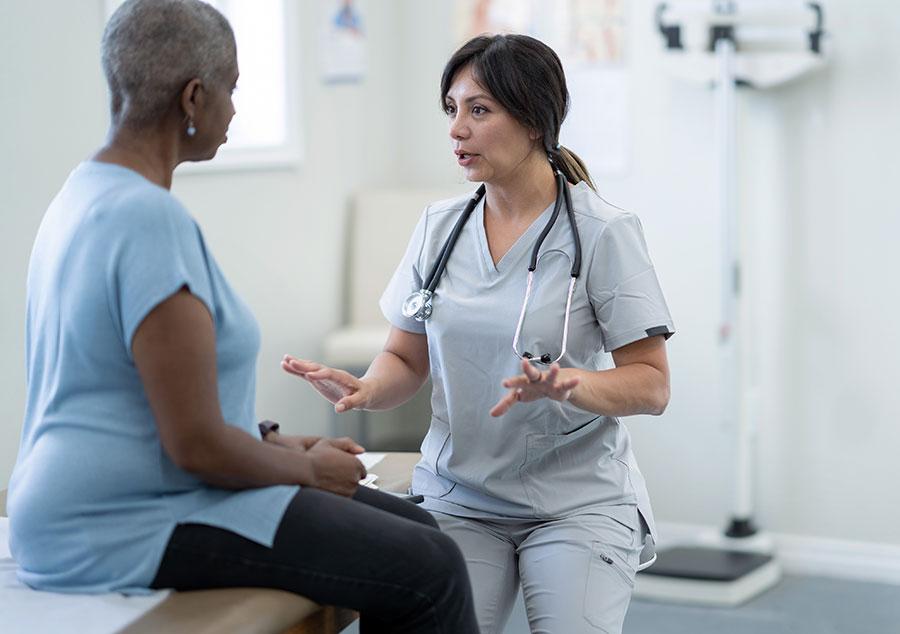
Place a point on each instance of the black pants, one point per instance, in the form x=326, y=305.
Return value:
x=377, y=554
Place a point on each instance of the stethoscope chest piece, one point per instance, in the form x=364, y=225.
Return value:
x=418, y=305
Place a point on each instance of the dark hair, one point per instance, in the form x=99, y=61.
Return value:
x=526, y=77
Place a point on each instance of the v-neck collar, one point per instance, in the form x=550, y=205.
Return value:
x=523, y=244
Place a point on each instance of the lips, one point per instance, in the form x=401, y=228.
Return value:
x=465, y=158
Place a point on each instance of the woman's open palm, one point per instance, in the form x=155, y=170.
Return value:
x=338, y=386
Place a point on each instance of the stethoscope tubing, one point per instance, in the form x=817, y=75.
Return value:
x=438, y=269
x=419, y=303
x=562, y=195
x=576, y=263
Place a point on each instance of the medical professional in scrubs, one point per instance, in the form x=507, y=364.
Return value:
x=141, y=465
x=526, y=464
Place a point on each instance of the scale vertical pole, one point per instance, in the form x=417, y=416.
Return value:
x=737, y=401
x=728, y=568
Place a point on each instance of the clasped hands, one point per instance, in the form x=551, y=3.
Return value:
x=333, y=463
x=349, y=392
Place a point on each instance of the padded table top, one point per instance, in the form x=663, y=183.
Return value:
x=255, y=610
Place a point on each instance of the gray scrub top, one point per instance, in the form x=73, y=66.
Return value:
x=544, y=459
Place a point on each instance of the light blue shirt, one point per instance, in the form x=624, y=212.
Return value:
x=94, y=497
x=543, y=459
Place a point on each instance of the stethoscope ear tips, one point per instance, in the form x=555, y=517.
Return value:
x=545, y=359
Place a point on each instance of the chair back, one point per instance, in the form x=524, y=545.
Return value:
x=380, y=225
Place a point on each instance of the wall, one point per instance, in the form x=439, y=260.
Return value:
x=817, y=158
x=274, y=233
x=52, y=112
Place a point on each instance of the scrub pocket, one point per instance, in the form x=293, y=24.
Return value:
x=608, y=589
x=564, y=472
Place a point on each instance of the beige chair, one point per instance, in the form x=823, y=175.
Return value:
x=252, y=610
x=379, y=225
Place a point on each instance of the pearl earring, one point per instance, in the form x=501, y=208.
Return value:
x=191, y=130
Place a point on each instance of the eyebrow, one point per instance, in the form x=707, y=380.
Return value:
x=478, y=97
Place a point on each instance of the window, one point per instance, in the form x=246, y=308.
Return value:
x=265, y=132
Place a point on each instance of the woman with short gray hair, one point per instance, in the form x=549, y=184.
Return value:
x=138, y=466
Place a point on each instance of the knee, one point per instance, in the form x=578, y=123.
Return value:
x=439, y=582
x=445, y=561
x=420, y=515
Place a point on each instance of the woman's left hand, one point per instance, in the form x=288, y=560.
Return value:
x=292, y=442
x=306, y=442
x=534, y=384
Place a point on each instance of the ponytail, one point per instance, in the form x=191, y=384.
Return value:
x=571, y=166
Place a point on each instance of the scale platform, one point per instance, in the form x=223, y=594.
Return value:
x=707, y=576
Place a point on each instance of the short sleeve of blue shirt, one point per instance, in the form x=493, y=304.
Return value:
x=161, y=252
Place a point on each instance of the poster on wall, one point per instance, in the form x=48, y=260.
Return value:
x=343, y=42
x=590, y=38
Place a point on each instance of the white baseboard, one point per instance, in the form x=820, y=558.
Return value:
x=806, y=555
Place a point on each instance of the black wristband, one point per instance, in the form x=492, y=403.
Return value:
x=266, y=427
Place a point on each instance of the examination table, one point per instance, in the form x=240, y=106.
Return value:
x=249, y=610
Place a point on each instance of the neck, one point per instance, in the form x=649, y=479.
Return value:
x=152, y=153
x=525, y=194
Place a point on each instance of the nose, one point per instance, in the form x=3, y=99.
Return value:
x=458, y=127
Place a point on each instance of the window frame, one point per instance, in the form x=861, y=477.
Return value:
x=286, y=155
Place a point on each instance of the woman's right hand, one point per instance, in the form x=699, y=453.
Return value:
x=339, y=387
x=335, y=468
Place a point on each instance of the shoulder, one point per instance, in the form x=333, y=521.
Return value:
x=130, y=204
x=147, y=203
x=440, y=215
x=591, y=209
x=447, y=206
x=596, y=216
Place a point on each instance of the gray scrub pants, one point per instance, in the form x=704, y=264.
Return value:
x=577, y=573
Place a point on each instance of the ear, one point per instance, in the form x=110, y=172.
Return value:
x=535, y=135
x=192, y=97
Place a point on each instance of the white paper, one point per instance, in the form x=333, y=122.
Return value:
x=369, y=481
x=370, y=459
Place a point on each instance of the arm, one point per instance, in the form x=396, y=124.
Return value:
x=175, y=354
x=639, y=384
x=393, y=377
x=398, y=372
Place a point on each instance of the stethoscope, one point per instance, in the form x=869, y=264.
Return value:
x=418, y=305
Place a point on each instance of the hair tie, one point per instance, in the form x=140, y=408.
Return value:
x=557, y=147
